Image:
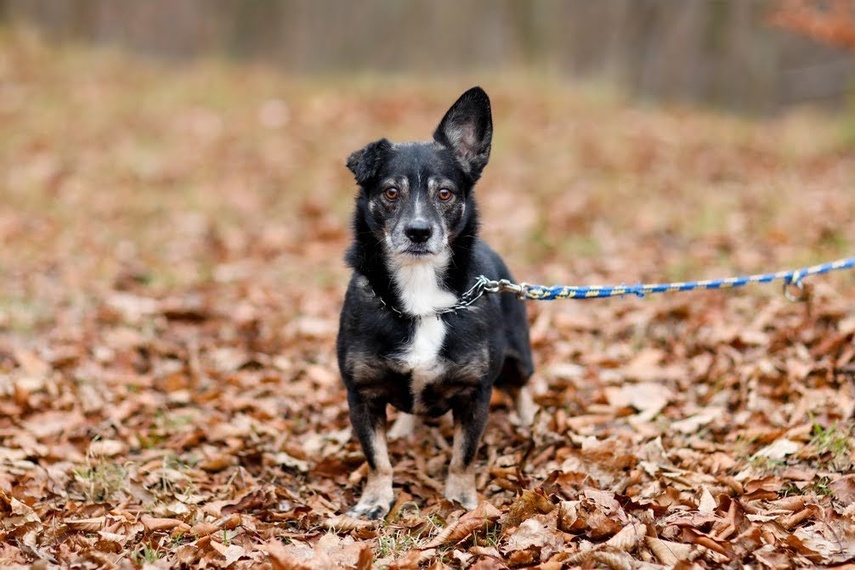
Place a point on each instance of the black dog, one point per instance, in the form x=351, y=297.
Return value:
x=401, y=341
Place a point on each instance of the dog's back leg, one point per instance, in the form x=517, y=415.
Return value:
x=403, y=427
x=513, y=379
x=518, y=366
x=524, y=403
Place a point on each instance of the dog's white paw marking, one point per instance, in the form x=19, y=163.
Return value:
x=371, y=509
x=377, y=498
x=460, y=487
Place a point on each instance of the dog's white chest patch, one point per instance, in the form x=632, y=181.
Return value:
x=421, y=295
x=418, y=286
x=423, y=351
x=421, y=357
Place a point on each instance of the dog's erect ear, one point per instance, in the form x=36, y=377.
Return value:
x=365, y=162
x=467, y=129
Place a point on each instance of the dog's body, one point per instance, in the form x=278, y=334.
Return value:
x=401, y=342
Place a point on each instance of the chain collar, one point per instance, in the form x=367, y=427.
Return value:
x=482, y=285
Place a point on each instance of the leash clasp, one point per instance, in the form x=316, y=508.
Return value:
x=794, y=289
x=501, y=286
x=506, y=286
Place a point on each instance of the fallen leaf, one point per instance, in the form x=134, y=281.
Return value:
x=779, y=449
x=474, y=520
x=163, y=524
x=107, y=448
x=669, y=553
x=86, y=525
x=649, y=398
x=231, y=553
x=843, y=489
x=628, y=538
x=527, y=505
x=707, y=503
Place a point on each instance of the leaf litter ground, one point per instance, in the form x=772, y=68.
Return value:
x=171, y=277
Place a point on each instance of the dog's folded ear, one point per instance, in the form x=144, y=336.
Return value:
x=365, y=162
x=467, y=129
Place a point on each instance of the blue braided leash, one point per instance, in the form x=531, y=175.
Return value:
x=791, y=279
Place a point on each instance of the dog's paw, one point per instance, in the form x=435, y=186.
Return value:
x=377, y=498
x=373, y=513
x=372, y=509
x=469, y=499
x=460, y=487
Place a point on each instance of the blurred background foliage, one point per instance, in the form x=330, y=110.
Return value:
x=755, y=56
x=170, y=142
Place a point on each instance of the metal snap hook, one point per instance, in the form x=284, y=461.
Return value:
x=506, y=286
x=794, y=290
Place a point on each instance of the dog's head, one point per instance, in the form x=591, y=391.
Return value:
x=415, y=198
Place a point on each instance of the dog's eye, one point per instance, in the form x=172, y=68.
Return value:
x=391, y=193
x=444, y=194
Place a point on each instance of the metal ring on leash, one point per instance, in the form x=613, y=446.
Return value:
x=799, y=286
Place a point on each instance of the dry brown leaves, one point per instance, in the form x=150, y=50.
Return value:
x=170, y=284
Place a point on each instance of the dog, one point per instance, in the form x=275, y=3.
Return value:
x=403, y=340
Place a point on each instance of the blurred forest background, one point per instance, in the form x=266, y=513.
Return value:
x=721, y=52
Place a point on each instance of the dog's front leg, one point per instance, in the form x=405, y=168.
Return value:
x=470, y=419
x=369, y=425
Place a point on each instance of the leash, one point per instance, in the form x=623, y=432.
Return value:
x=792, y=280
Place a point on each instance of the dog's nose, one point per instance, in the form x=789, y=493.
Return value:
x=418, y=231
